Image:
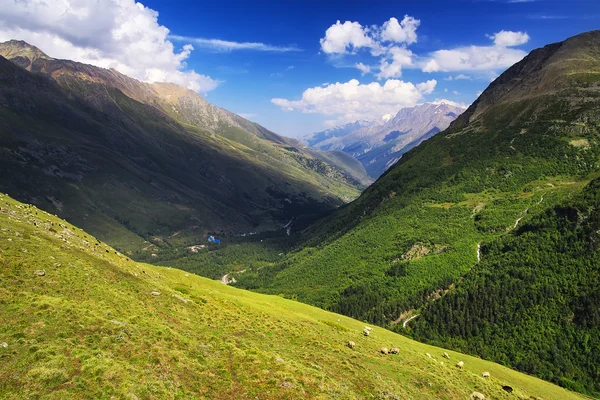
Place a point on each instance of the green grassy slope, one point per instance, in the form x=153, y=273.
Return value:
x=99, y=149
x=91, y=327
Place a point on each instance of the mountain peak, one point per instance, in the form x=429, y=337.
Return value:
x=545, y=71
x=19, y=48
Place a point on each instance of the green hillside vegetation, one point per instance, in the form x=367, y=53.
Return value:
x=81, y=320
x=147, y=166
x=530, y=143
x=532, y=303
x=466, y=185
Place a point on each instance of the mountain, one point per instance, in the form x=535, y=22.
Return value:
x=81, y=320
x=528, y=145
x=143, y=165
x=378, y=145
x=314, y=139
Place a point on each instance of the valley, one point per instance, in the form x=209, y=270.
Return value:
x=436, y=237
x=422, y=230
x=134, y=163
x=83, y=320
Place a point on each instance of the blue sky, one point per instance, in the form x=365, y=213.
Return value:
x=431, y=50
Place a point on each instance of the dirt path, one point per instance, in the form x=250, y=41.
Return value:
x=520, y=218
x=542, y=199
x=408, y=320
x=478, y=251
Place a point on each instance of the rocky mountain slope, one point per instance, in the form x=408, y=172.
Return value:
x=140, y=164
x=528, y=145
x=81, y=320
x=379, y=144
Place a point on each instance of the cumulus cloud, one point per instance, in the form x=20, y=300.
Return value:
x=351, y=36
x=392, y=62
x=479, y=58
x=351, y=101
x=347, y=37
x=119, y=34
x=226, y=45
x=388, y=41
x=400, y=32
x=509, y=38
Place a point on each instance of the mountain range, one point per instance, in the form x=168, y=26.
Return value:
x=379, y=144
x=142, y=165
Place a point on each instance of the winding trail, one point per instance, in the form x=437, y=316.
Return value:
x=478, y=251
x=520, y=218
x=542, y=199
x=408, y=320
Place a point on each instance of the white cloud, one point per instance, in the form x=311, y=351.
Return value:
x=364, y=69
x=119, y=34
x=458, y=78
x=509, y=38
x=349, y=37
x=393, y=61
x=339, y=38
x=289, y=67
x=473, y=58
x=400, y=32
x=351, y=101
x=225, y=45
x=389, y=42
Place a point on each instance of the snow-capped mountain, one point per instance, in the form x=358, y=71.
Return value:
x=379, y=144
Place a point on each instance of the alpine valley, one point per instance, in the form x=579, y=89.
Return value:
x=156, y=246
x=482, y=238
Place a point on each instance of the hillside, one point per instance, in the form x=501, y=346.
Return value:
x=379, y=144
x=532, y=303
x=81, y=320
x=148, y=165
x=413, y=235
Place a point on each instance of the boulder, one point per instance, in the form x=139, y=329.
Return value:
x=155, y=293
x=351, y=344
x=39, y=272
x=477, y=395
